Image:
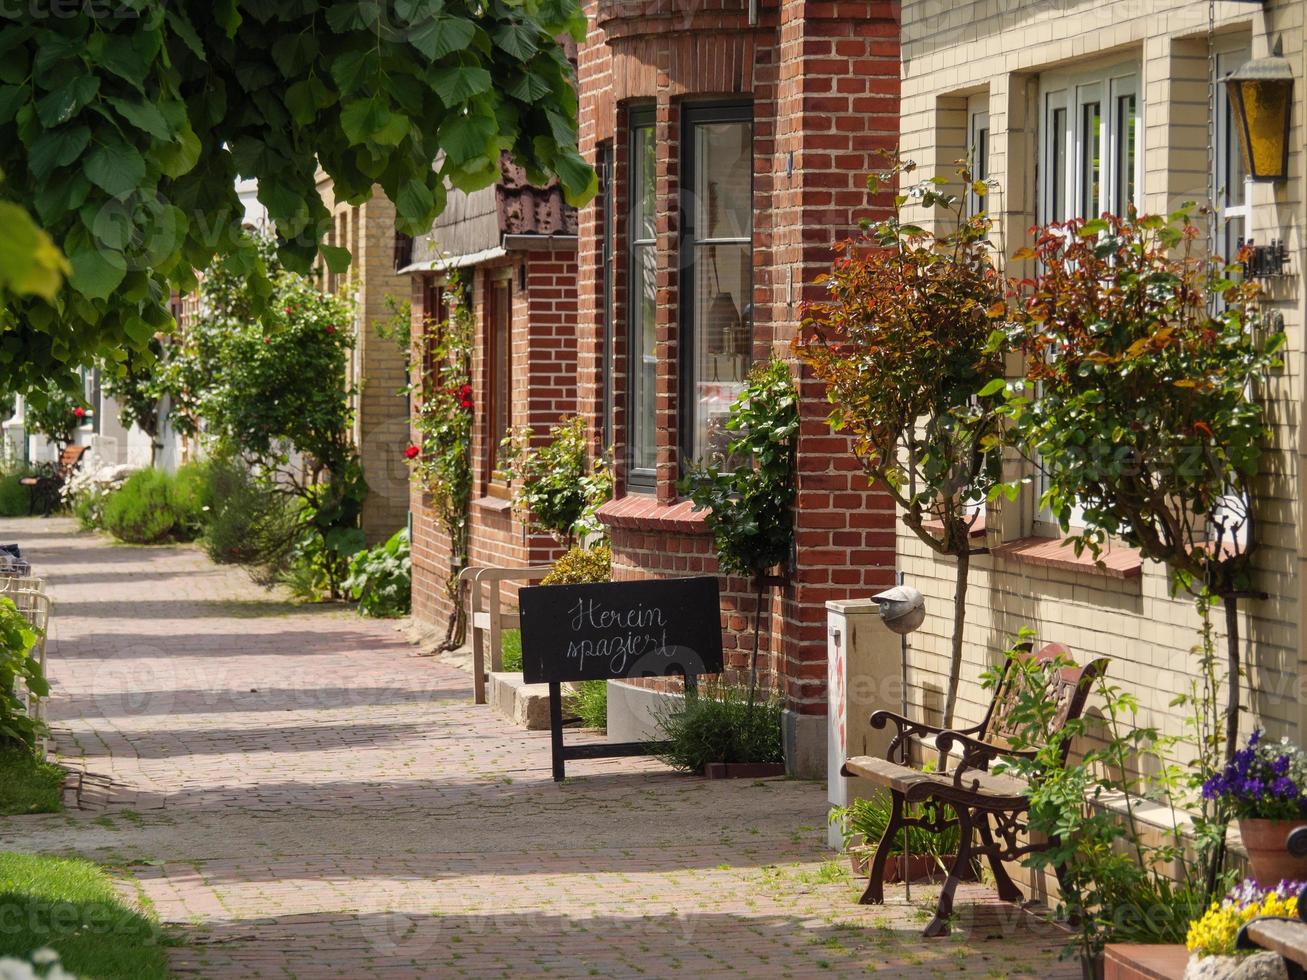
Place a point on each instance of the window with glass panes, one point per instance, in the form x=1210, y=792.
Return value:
x=641, y=349
x=499, y=358
x=1229, y=181
x=1091, y=159
x=716, y=274
x=977, y=148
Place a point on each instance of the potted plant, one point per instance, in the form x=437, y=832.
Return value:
x=1263, y=788
x=1212, y=953
x=862, y=824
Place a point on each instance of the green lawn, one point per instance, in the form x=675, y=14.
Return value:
x=28, y=786
x=71, y=906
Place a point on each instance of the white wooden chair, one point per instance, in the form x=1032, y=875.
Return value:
x=488, y=617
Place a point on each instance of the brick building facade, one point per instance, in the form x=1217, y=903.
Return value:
x=733, y=139
x=511, y=252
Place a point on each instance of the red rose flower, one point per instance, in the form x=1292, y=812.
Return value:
x=465, y=391
x=411, y=452
x=466, y=403
x=330, y=328
x=79, y=412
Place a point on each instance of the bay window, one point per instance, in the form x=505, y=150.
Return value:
x=716, y=274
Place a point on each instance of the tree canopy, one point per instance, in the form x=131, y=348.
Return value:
x=124, y=126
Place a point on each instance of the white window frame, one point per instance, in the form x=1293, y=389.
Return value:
x=1230, y=54
x=978, y=143
x=1069, y=93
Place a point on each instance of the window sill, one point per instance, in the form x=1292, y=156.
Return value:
x=497, y=505
x=1118, y=563
x=641, y=512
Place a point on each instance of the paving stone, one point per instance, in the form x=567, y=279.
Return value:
x=298, y=793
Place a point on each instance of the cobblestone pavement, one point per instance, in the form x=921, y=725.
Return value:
x=298, y=794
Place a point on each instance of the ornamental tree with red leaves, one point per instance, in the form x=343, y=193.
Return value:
x=1147, y=365
x=902, y=346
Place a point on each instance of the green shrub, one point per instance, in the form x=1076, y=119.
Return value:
x=190, y=495
x=18, y=670
x=381, y=578
x=89, y=511
x=15, y=499
x=250, y=523
x=582, y=566
x=139, y=512
x=715, y=724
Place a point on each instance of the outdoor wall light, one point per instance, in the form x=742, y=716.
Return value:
x=1260, y=99
x=902, y=608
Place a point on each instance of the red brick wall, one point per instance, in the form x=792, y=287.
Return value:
x=543, y=392
x=823, y=79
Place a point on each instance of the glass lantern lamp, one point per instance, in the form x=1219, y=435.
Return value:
x=1260, y=93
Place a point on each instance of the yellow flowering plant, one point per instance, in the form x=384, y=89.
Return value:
x=1213, y=934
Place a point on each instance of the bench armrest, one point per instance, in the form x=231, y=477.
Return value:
x=905, y=728
x=976, y=754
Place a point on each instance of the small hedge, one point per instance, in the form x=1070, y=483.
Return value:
x=15, y=499
x=582, y=566
x=154, y=506
x=716, y=725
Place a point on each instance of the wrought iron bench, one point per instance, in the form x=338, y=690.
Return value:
x=45, y=485
x=1279, y=934
x=990, y=805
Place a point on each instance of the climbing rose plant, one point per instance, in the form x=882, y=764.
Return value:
x=441, y=459
x=124, y=126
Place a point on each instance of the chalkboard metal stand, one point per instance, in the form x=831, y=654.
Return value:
x=601, y=750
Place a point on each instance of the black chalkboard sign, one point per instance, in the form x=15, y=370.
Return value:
x=617, y=631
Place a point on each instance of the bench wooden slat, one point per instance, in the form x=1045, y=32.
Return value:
x=903, y=779
x=1283, y=936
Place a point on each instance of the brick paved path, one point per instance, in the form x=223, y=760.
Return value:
x=297, y=794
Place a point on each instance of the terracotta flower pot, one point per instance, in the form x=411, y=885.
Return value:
x=1268, y=858
x=919, y=867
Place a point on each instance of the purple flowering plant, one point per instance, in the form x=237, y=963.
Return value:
x=1264, y=780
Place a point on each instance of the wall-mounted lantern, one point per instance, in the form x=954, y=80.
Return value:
x=1260, y=93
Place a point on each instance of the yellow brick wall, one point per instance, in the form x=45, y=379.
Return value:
x=955, y=50
x=377, y=367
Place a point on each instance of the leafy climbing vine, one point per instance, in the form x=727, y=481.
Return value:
x=442, y=457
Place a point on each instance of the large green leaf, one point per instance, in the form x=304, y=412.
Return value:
x=442, y=36
x=97, y=272
x=29, y=261
x=115, y=166
x=458, y=84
